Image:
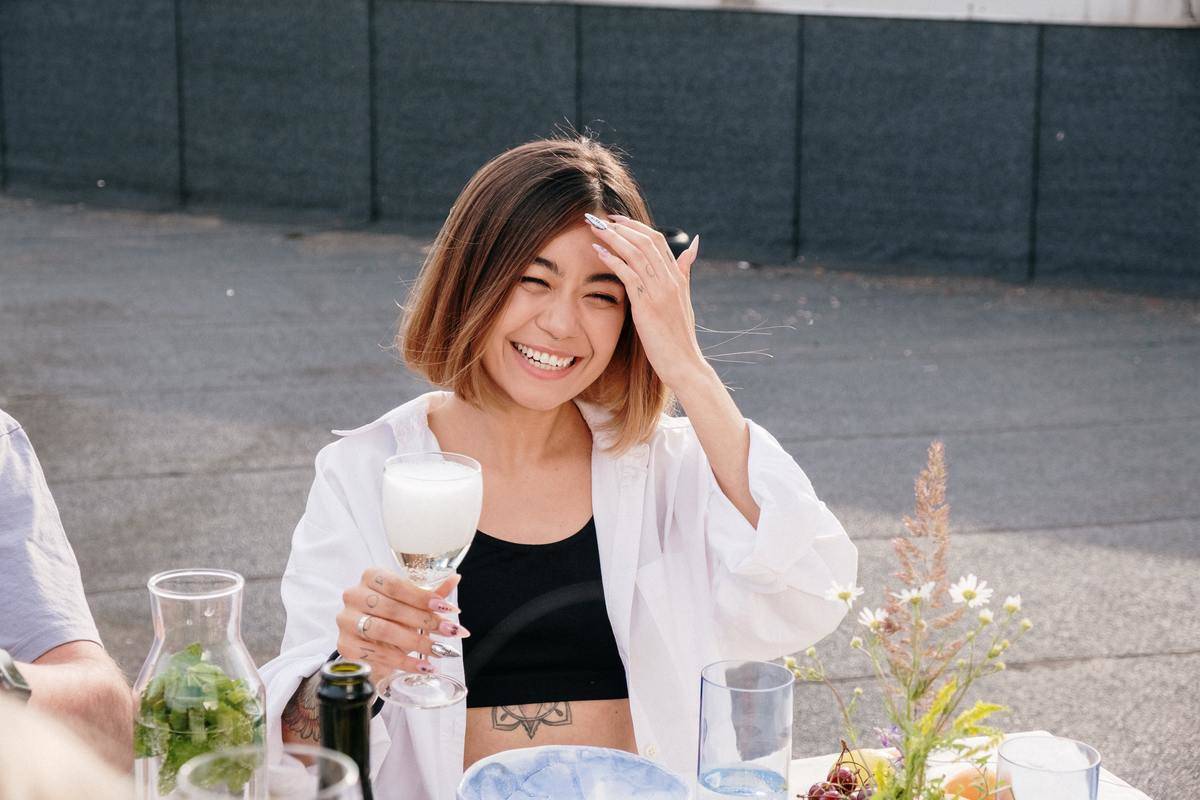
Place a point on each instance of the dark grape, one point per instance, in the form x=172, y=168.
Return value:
x=824, y=790
x=843, y=779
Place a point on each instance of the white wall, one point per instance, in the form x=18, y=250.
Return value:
x=1145, y=13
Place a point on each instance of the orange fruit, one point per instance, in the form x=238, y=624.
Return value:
x=972, y=783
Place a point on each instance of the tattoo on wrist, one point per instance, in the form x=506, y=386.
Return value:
x=531, y=716
x=301, y=714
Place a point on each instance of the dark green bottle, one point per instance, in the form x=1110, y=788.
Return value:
x=345, y=696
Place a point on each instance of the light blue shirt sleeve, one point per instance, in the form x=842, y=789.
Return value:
x=42, y=604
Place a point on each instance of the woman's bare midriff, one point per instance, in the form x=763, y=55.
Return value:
x=560, y=506
x=601, y=723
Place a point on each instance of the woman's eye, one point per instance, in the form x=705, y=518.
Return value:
x=607, y=298
x=527, y=280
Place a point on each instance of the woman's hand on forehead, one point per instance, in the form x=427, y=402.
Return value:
x=659, y=289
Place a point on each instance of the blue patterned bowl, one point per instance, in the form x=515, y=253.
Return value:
x=560, y=772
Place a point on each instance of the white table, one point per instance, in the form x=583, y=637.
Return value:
x=805, y=772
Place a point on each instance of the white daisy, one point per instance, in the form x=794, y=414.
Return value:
x=915, y=596
x=1012, y=604
x=972, y=591
x=985, y=616
x=872, y=619
x=846, y=594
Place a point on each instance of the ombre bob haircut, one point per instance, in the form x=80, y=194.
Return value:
x=509, y=210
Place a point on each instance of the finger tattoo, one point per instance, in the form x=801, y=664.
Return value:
x=372, y=600
x=379, y=580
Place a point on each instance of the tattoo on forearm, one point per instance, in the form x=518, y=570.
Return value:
x=531, y=716
x=301, y=715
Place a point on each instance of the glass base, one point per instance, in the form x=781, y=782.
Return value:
x=414, y=690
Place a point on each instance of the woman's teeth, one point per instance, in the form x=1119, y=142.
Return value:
x=543, y=360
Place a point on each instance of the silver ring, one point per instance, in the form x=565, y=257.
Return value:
x=362, y=624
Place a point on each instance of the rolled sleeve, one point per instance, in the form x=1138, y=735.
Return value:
x=769, y=581
x=328, y=556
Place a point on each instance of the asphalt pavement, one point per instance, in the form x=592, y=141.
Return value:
x=177, y=373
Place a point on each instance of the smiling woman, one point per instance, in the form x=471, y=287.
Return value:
x=519, y=224
x=619, y=549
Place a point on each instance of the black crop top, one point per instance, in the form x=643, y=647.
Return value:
x=539, y=626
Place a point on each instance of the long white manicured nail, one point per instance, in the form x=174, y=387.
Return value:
x=596, y=222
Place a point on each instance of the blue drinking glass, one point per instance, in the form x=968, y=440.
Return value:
x=745, y=730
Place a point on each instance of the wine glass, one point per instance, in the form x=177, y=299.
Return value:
x=305, y=772
x=431, y=506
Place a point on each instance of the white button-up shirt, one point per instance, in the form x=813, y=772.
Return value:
x=687, y=581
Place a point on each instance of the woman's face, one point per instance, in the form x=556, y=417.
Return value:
x=557, y=332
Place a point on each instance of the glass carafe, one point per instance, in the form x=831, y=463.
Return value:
x=198, y=690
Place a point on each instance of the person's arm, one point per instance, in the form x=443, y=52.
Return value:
x=659, y=290
x=80, y=685
x=301, y=722
x=723, y=435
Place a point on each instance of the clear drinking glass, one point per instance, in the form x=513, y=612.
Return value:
x=745, y=730
x=431, y=505
x=1036, y=767
x=304, y=773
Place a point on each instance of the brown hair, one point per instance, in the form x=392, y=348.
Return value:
x=510, y=208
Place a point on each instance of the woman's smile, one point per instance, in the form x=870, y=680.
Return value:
x=544, y=364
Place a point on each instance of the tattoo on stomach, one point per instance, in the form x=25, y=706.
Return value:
x=531, y=716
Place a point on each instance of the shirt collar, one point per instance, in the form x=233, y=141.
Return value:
x=414, y=415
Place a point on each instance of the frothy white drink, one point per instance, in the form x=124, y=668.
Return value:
x=430, y=512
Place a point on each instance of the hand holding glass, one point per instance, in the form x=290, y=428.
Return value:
x=431, y=506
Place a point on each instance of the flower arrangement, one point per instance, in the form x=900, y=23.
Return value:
x=929, y=643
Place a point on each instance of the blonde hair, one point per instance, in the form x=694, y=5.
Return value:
x=509, y=210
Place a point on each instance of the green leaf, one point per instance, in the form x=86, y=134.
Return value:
x=192, y=708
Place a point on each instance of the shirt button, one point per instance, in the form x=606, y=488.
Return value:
x=651, y=751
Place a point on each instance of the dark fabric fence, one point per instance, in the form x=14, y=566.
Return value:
x=973, y=147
